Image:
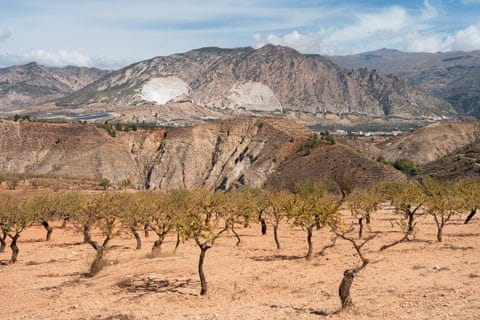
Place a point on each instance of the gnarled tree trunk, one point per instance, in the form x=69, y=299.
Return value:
x=471, y=215
x=86, y=234
x=145, y=230
x=137, y=238
x=360, y=229
x=309, y=242
x=49, y=230
x=275, y=235
x=97, y=263
x=14, y=247
x=203, y=281
x=344, y=289
x=3, y=241
x=236, y=234
x=263, y=223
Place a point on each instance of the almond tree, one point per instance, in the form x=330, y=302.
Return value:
x=277, y=205
x=349, y=274
x=407, y=198
x=445, y=200
x=253, y=202
x=204, y=224
x=238, y=208
x=44, y=208
x=14, y=219
x=362, y=204
x=470, y=190
x=134, y=213
x=164, y=209
x=101, y=211
x=310, y=205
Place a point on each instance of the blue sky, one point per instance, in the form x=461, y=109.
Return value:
x=113, y=33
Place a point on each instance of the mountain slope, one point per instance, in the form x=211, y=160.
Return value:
x=453, y=76
x=432, y=142
x=33, y=84
x=221, y=154
x=273, y=79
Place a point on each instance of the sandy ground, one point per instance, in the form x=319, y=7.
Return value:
x=415, y=280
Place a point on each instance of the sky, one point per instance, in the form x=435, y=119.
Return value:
x=110, y=34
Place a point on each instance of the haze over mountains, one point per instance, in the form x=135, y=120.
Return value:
x=215, y=83
x=33, y=84
x=454, y=76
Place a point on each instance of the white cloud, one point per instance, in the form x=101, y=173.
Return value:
x=392, y=27
x=467, y=39
x=4, y=34
x=63, y=58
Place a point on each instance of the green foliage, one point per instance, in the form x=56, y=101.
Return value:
x=125, y=183
x=312, y=141
x=104, y=183
x=312, y=203
x=21, y=117
x=108, y=127
x=406, y=166
x=328, y=137
x=381, y=159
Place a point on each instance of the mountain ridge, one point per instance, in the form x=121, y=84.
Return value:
x=453, y=76
x=271, y=79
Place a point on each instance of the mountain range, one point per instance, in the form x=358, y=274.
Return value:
x=33, y=84
x=453, y=76
x=212, y=83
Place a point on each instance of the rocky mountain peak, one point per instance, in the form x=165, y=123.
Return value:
x=272, y=80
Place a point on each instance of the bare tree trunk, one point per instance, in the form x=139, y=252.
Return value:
x=157, y=247
x=439, y=234
x=137, y=238
x=360, y=230
x=367, y=219
x=309, y=242
x=3, y=241
x=471, y=215
x=97, y=264
x=86, y=234
x=405, y=238
x=177, y=243
x=328, y=246
x=14, y=248
x=344, y=289
x=263, y=223
x=203, y=280
x=145, y=230
x=411, y=221
x=440, y=225
x=275, y=235
x=317, y=222
x=64, y=223
x=236, y=235
x=49, y=230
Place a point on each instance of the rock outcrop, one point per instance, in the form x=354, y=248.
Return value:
x=274, y=80
x=222, y=154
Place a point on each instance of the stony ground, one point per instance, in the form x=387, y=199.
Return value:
x=422, y=279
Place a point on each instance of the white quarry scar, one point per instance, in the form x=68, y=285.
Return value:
x=254, y=96
x=162, y=90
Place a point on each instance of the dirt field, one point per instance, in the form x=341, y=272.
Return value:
x=422, y=279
